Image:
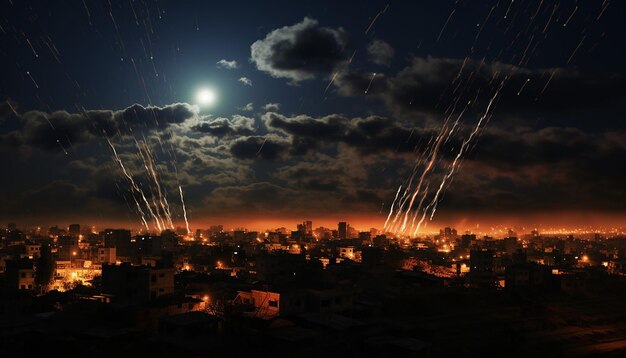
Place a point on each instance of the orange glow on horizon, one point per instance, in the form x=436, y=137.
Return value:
x=545, y=222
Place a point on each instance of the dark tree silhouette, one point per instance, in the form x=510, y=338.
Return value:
x=45, y=266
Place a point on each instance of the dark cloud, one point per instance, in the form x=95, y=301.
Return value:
x=554, y=168
x=56, y=199
x=301, y=51
x=152, y=117
x=259, y=147
x=544, y=146
x=333, y=163
x=221, y=127
x=260, y=198
x=60, y=130
x=517, y=169
x=369, y=135
x=380, y=52
x=432, y=85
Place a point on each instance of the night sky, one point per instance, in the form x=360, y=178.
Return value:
x=323, y=110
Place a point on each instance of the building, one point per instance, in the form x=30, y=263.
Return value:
x=67, y=247
x=466, y=240
x=279, y=267
x=308, y=227
x=137, y=283
x=482, y=267
x=19, y=275
x=525, y=275
x=120, y=239
x=74, y=230
x=616, y=267
x=448, y=233
x=342, y=230
x=258, y=304
x=148, y=245
x=347, y=252
x=106, y=255
x=510, y=245
x=270, y=303
x=32, y=251
x=216, y=229
x=169, y=240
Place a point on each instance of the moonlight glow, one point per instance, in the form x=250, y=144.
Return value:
x=206, y=97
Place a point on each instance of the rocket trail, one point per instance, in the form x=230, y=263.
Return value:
x=445, y=25
x=163, y=205
x=182, y=200
x=524, y=85
x=261, y=148
x=440, y=159
x=376, y=18
x=464, y=146
x=370, y=84
x=392, y=205
x=133, y=186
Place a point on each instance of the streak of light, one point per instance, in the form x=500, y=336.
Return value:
x=556, y=6
x=547, y=83
x=138, y=190
x=445, y=25
x=62, y=148
x=182, y=200
x=32, y=48
x=465, y=144
x=575, y=50
x=370, y=84
x=393, y=204
x=261, y=148
x=524, y=85
x=32, y=79
x=376, y=18
x=508, y=9
x=605, y=5
x=570, y=17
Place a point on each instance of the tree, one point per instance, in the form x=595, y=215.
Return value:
x=45, y=266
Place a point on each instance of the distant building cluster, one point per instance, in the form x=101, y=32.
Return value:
x=295, y=286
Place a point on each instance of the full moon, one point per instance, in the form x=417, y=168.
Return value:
x=206, y=96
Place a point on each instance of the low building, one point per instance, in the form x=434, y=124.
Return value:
x=105, y=255
x=258, y=304
x=347, y=252
x=20, y=275
x=137, y=283
x=525, y=275
x=267, y=304
x=482, y=267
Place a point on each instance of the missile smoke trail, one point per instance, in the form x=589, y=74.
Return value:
x=370, y=84
x=133, y=186
x=158, y=209
x=163, y=205
x=376, y=18
x=432, y=168
x=461, y=151
x=182, y=200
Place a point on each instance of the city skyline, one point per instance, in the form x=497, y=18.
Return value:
x=371, y=178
